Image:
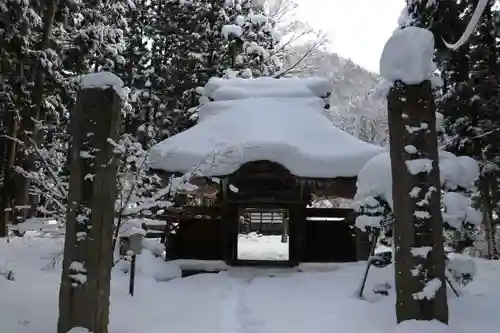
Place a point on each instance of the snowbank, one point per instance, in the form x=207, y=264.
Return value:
x=42, y=225
x=264, y=119
x=150, y=266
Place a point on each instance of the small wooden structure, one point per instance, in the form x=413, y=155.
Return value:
x=316, y=234
x=262, y=183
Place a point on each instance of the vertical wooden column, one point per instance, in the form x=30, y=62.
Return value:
x=297, y=227
x=418, y=231
x=88, y=254
x=229, y=223
x=363, y=245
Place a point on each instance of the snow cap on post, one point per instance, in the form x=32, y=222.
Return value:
x=231, y=30
x=79, y=330
x=407, y=56
x=102, y=80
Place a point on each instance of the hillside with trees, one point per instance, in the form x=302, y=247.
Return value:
x=356, y=105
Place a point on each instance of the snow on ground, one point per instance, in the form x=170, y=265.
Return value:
x=236, y=301
x=257, y=247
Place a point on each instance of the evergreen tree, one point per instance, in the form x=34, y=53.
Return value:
x=453, y=97
x=485, y=78
x=251, y=48
x=163, y=51
x=189, y=42
x=468, y=98
x=17, y=22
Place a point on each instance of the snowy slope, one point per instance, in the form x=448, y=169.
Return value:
x=238, y=301
x=356, y=108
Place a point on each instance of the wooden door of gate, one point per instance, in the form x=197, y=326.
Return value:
x=329, y=235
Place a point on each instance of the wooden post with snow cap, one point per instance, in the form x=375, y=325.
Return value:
x=85, y=283
x=418, y=233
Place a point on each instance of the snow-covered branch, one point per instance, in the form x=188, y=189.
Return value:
x=458, y=175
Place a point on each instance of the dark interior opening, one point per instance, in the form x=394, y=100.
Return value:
x=263, y=235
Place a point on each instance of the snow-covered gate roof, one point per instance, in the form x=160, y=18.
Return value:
x=279, y=120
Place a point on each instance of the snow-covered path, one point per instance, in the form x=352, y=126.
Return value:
x=232, y=314
x=237, y=301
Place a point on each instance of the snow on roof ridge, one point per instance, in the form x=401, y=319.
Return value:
x=235, y=93
x=227, y=103
x=316, y=86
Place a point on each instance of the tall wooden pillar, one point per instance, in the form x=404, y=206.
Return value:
x=299, y=227
x=229, y=216
x=88, y=253
x=418, y=230
x=363, y=244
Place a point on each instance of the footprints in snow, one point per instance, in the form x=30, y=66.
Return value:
x=236, y=316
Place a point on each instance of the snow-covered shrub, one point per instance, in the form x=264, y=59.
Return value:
x=462, y=269
x=150, y=266
x=457, y=175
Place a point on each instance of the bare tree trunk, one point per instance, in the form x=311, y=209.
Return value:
x=8, y=185
x=419, y=257
x=284, y=230
x=32, y=115
x=363, y=244
x=88, y=254
x=485, y=184
x=494, y=203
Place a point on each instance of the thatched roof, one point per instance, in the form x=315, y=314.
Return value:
x=279, y=120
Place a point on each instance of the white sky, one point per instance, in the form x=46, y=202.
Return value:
x=358, y=29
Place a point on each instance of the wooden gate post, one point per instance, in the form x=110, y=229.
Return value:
x=88, y=254
x=418, y=230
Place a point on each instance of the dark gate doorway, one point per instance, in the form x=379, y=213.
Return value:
x=263, y=235
x=329, y=235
